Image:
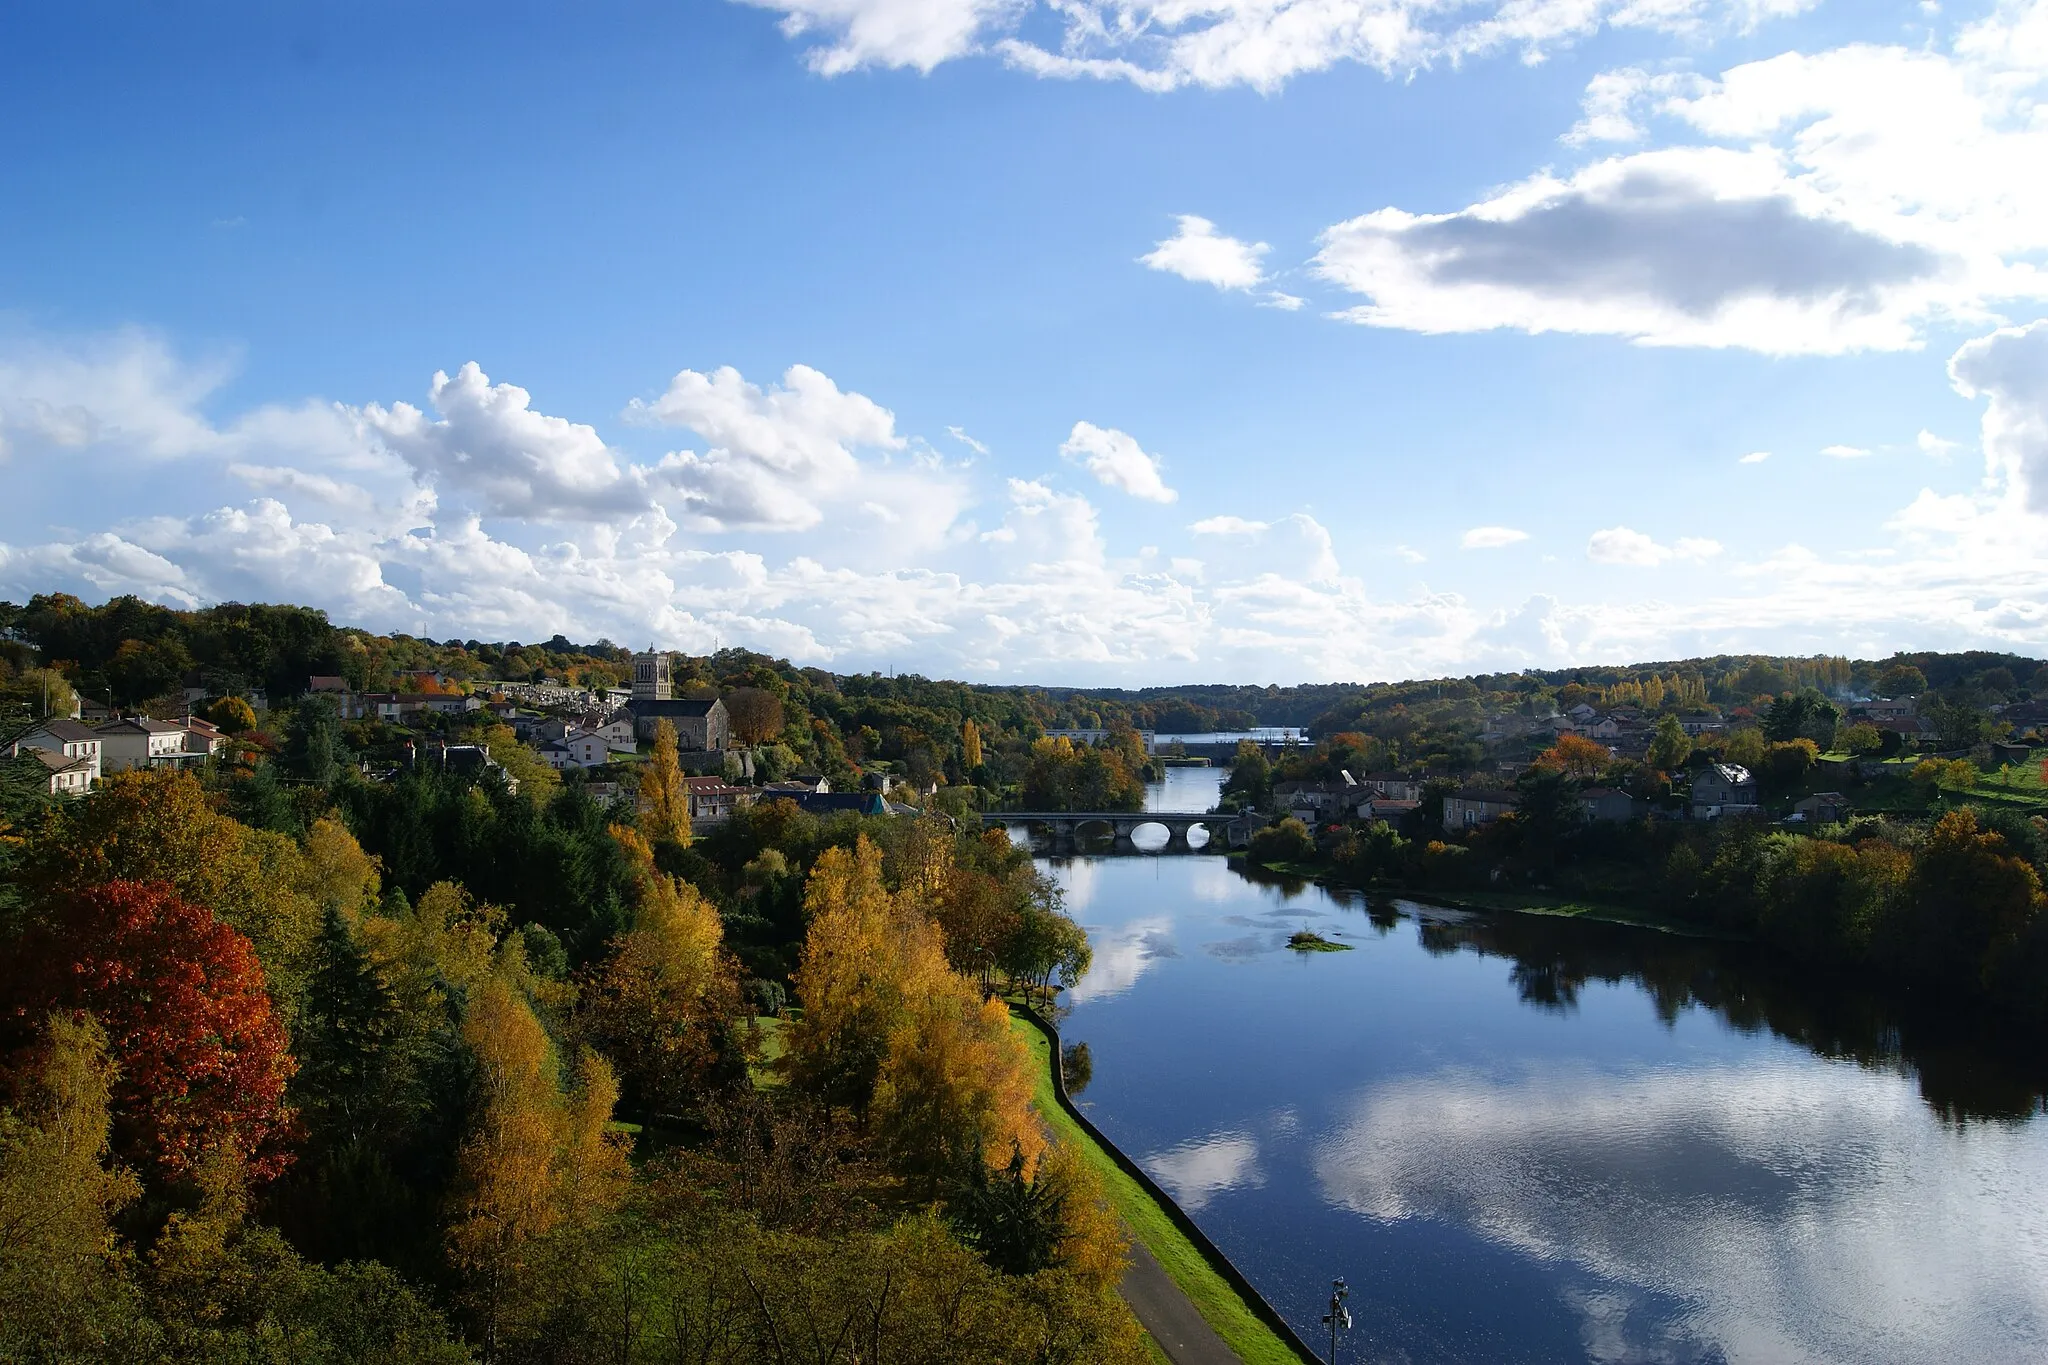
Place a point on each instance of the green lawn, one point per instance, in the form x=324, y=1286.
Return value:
x=1241, y=1330
x=763, y=1072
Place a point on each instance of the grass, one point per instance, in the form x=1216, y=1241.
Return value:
x=1218, y=1303
x=762, y=1071
x=1309, y=941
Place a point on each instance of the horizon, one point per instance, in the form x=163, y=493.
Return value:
x=1280, y=344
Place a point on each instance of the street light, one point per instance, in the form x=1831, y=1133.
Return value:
x=1339, y=1316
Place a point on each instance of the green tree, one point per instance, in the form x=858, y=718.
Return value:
x=313, y=747
x=1901, y=680
x=1670, y=746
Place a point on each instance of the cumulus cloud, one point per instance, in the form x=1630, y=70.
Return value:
x=1227, y=525
x=1491, y=537
x=1196, y=1171
x=1620, y=545
x=1198, y=252
x=1680, y=247
x=1116, y=460
x=1938, y=447
x=1163, y=45
x=2009, y=369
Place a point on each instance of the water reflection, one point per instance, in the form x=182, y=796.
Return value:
x=1800, y=1211
x=1964, y=1072
x=1532, y=1139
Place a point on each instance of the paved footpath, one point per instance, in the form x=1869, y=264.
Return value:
x=1170, y=1315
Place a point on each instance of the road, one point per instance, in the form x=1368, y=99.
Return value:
x=1170, y=1315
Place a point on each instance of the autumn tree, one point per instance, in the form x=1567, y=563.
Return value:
x=59, y=1260
x=1970, y=900
x=233, y=715
x=860, y=957
x=970, y=745
x=661, y=1002
x=181, y=996
x=955, y=1083
x=1576, y=756
x=664, y=795
x=756, y=714
x=537, y=1161
x=160, y=827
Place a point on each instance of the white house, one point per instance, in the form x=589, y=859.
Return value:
x=588, y=750
x=556, y=755
x=67, y=776
x=203, y=737
x=68, y=740
x=140, y=742
x=1723, y=789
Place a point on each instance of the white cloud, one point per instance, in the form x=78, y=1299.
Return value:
x=2010, y=369
x=1938, y=447
x=1196, y=1171
x=1491, y=537
x=1845, y=452
x=1117, y=461
x=1166, y=44
x=1227, y=526
x=1197, y=252
x=1286, y=303
x=1680, y=247
x=1620, y=545
x=1755, y=457
x=1841, y=201
x=964, y=439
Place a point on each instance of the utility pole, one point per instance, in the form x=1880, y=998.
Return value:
x=1339, y=1316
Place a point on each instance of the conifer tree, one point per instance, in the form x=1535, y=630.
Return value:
x=664, y=795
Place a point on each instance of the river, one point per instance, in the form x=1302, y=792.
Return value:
x=1527, y=1139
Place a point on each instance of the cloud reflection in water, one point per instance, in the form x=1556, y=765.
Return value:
x=1810, y=1215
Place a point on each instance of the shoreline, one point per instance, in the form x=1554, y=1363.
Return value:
x=1225, y=1299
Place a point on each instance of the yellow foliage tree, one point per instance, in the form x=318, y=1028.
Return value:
x=58, y=1199
x=956, y=1080
x=537, y=1161
x=537, y=781
x=970, y=745
x=336, y=874
x=658, y=1001
x=664, y=795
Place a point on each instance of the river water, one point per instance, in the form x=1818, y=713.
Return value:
x=1526, y=1139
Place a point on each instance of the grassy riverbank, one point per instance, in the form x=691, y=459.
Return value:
x=1218, y=1303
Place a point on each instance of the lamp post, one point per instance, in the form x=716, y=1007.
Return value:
x=1339, y=1316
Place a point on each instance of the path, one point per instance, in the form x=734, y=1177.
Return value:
x=1170, y=1315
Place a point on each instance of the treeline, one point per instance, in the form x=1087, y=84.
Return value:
x=433, y=1070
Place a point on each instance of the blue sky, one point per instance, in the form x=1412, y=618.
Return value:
x=1263, y=340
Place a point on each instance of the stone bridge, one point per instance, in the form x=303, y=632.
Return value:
x=1063, y=828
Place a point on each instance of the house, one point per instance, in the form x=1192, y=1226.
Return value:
x=587, y=750
x=1393, y=786
x=616, y=729
x=68, y=740
x=834, y=803
x=1383, y=810
x=459, y=758
x=324, y=682
x=203, y=737
x=556, y=755
x=1882, y=708
x=1823, y=808
x=701, y=723
x=96, y=712
x=452, y=704
x=1607, y=804
x=140, y=742
x=712, y=801
x=802, y=782
x=1471, y=809
x=1583, y=714
x=66, y=776
x=1696, y=726
x=371, y=706
x=1723, y=789
x=1313, y=802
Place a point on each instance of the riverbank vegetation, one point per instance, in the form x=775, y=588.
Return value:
x=330, y=1084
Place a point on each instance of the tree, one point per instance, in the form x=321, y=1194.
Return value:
x=201, y=1052
x=756, y=714
x=1015, y=1222
x=1786, y=765
x=313, y=747
x=233, y=715
x=1047, y=952
x=1743, y=746
x=664, y=795
x=1670, y=746
x=1860, y=738
x=970, y=745
x=536, y=1161
x=1971, y=900
x=956, y=1083
x=1576, y=756
x=58, y=1199
x=860, y=957
x=537, y=781
x=1287, y=841
x=660, y=1002
x=1901, y=680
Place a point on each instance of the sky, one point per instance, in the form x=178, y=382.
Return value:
x=1095, y=342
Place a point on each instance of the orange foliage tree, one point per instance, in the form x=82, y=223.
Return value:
x=1575, y=756
x=181, y=997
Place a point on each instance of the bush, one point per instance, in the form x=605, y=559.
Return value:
x=1287, y=842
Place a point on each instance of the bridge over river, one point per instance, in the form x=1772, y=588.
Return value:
x=1063, y=830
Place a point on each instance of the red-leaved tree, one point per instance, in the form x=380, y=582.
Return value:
x=181, y=996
